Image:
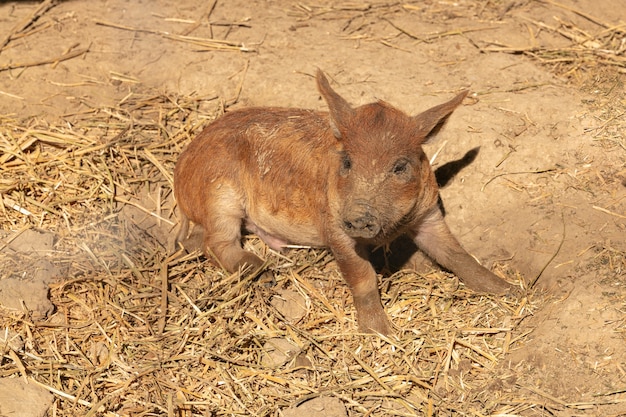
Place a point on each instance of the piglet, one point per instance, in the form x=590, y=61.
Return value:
x=348, y=179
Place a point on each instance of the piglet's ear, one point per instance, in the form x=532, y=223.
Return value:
x=340, y=111
x=430, y=122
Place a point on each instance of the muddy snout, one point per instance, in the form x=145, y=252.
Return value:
x=361, y=220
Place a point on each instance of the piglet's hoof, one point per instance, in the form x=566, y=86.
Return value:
x=252, y=266
x=478, y=278
x=490, y=284
x=495, y=286
x=375, y=324
x=371, y=316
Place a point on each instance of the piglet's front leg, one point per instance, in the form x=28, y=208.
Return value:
x=436, y=240
x=360, y=276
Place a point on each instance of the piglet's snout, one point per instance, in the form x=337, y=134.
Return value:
x=361, y=220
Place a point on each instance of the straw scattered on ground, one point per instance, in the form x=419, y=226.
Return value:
x=140, y=329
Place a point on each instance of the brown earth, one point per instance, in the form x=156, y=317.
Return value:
x=543, y=202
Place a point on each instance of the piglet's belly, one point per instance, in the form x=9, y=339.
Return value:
x=281, y=235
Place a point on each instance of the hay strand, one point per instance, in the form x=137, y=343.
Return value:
x=64, y=57
x=27, y=22
x=209, y=44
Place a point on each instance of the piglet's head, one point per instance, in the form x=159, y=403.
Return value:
x=384, y=180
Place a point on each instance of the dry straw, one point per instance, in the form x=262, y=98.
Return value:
x=606, y=46
x=142, y=330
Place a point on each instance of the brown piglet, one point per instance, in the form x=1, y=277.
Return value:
x=348, y=179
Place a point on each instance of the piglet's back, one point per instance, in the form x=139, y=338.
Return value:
x=274, y=161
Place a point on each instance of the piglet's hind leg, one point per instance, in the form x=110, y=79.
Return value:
x=222, y=233
x=436, y=240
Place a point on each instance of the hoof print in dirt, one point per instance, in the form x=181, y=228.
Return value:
x=318, y=407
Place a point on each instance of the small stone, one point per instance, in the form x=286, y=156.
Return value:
x=291, y=304
x=302, y=361
x=278, y=351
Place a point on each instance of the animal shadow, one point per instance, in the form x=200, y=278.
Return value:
x=449, y=170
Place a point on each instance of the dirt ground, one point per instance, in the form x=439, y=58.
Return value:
x=543, y=203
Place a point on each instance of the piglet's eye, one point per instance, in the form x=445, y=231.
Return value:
x=346, y=163
x=400, y=167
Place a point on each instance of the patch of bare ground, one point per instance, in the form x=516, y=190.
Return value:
x=97, y=99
